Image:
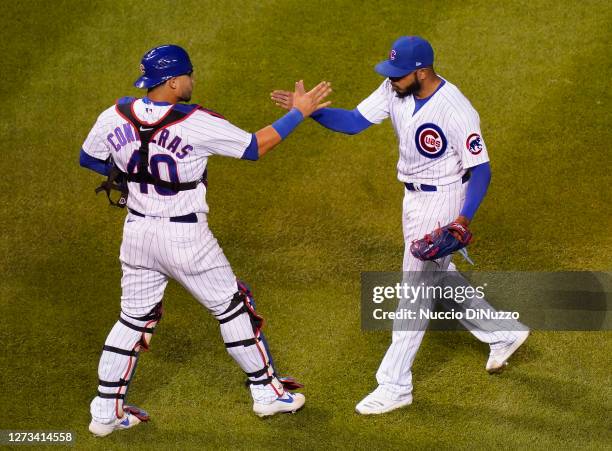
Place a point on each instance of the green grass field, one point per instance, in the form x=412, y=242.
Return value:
x=301, y=224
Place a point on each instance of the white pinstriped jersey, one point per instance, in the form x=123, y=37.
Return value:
x=180, y=154
x=439, y=142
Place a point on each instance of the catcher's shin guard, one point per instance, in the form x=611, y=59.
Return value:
x=241, y=328
x=128, y=337
x=243, y=287
x=288, y=382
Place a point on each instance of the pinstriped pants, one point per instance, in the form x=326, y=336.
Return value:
x=154, y=249
x=423, y=211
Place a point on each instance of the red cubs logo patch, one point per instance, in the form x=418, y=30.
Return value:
x=430, y=140
x=474, y=143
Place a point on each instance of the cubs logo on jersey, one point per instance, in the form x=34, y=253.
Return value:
x=474, y=143
x=430, y=140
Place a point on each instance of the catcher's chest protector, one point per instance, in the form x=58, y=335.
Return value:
x=146, y=132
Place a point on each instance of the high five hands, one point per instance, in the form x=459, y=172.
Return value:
x=306, y=102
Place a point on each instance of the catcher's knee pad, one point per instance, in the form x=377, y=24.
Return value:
x=128, y=337
x=241, y=331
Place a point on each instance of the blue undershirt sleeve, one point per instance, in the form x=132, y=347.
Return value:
x=349, y=122
x=252, y=152
x=89, y=162
x=288, y=122
x=476, y=189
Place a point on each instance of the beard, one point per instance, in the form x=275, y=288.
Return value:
x=185, y=97
x=409, y=90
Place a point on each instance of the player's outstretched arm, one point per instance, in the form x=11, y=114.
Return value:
x=303, y=105
x=349, y=122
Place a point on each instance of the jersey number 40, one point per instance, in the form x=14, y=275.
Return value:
x=154, y=164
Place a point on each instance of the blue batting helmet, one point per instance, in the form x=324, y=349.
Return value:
x=161, y=64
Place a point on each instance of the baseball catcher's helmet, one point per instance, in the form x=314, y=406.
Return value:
x=161, y=64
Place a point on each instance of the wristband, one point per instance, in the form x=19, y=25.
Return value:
x=288, y=122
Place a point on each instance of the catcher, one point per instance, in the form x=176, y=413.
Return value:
x=444, y=166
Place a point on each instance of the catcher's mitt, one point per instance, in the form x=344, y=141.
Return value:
x=441, y=242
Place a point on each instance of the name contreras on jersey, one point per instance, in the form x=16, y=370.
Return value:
x=124, y=135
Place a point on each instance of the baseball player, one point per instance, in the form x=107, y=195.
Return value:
x=444, y=166
x=156, y=150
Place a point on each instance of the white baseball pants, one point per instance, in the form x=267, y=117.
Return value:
x=423, y=211
x=153, y=250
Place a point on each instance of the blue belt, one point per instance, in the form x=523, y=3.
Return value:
x=191, y=217
x=423, y=187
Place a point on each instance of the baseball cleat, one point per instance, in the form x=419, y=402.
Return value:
x=498, y=358
x=288, y=403
x=132, y=416
x=376, y=403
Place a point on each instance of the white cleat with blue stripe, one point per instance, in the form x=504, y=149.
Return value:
x=132, y=416
x=288, y=403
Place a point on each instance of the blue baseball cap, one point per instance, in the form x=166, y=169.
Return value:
x=407, y=54
x=162, y=63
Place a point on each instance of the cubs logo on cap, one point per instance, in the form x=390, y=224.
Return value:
x=407, y=54
x=430, y=140
x=474, y=143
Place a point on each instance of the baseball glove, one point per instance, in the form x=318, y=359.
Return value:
x=441, y=242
